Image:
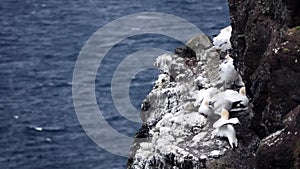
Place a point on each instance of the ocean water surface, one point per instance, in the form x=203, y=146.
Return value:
x=39, y=44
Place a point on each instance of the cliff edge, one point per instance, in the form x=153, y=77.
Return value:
x=265, y=44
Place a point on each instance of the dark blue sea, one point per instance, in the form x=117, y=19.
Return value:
x=40, y=41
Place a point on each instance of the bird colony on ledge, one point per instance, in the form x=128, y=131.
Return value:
x=189, y=111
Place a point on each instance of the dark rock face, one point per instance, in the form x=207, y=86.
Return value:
x=282, y=149
x=241, y=157
x=266, y=51
x=266, y=54
x=185, y=51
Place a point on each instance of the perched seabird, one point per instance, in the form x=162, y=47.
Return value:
x=224, y=127
x=229, y=132
x=236, y=101
x=228, y=73
x=205, y=108
x=222, y=41
x=244, y=98
x=225, y=119
x=203, y=94
x=232, y=105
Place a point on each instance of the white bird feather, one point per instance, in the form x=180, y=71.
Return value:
x=224, y=127
x=229, y=132
x=228, y=73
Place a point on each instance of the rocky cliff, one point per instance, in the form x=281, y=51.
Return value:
x=266, y=51
x=177, y=134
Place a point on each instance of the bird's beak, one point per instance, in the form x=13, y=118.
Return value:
x=212, y=103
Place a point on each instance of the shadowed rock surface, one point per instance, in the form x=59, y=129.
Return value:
x=281, y=149
x=266, y=51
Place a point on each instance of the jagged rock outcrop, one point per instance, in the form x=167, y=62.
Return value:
x=266, y=51
x=171, y=122
x=174, y=133
x=281, y=149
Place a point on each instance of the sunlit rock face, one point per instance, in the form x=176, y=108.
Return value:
x=265, y=41
x=178, y=134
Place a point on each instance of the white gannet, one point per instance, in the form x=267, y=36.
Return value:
x=228, y=73
x=229, y=132
x=203, y=94
x=225, y=120
x=245, y=100
x=224, y=127
x=205, y=108
x=222, y=41
x=236, y=101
